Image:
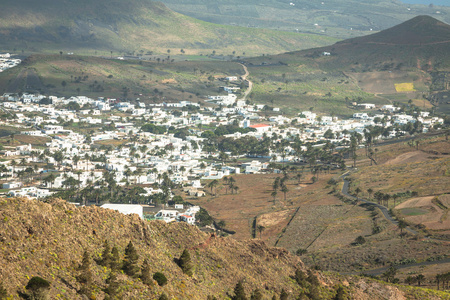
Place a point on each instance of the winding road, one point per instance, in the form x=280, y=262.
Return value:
x=383, y=209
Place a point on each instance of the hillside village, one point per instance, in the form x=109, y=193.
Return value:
x=160, y=145
x=7, y=62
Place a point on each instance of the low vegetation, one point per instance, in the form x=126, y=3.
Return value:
x=62, y=251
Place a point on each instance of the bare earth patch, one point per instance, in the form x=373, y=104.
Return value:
x=408, y=157
x=435, y=219
x=416, y=202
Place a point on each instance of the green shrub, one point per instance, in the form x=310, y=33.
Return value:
x=160, y=278
x=359, y=240
x=3, y=291
x=38, y=288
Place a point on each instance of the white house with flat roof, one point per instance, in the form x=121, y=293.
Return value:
x=126, y=209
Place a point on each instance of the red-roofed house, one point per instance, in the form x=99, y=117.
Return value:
x=261, y=127
x=188, y=219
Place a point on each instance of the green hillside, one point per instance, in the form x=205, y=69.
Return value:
x=131, y=27
x=151, y=81
x=362, y=69
x=337, y=18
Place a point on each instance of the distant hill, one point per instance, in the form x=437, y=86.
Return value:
x=48, y=240
x=130, y=27
x=422, y=42
x=337, y=18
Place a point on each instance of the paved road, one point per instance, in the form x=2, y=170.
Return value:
x=380, y=271
x=383, y=209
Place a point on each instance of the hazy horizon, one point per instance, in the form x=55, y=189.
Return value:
x=428, y=2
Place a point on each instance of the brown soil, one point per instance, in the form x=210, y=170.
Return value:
x=403, y=168
x=48, y=239
x=409, y=157
x=435, y=219
x=254, y=200
x=383, y=82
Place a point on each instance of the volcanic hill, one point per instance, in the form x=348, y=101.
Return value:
x=422, y=42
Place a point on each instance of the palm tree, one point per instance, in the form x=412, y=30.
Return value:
x=386, y=198
x=369, y=191
x=212, y=185
x=235, y=188
x=274, y=195
x=299, y=177
x=420, y=278
x=75, y=160
x=260, y=229
x=284, y=189
x=78, y=173
x=276, y=184
x=395, y=197
x=13, y=164
x=357, y=191
x=402, y=225
x=182, y=169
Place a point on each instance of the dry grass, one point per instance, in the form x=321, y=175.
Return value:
x=402, y=168
x=48, y=240
x=39, y=239
x=404, y=87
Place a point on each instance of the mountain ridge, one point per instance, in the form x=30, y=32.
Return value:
x=128, y=27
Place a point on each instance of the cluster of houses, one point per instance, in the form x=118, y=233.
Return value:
x=177, y=213
x=7, y=62
x=143, y=156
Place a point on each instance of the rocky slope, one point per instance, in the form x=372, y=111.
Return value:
x=48, y=240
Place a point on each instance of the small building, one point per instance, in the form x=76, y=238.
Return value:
x=188, y=219
x=126, y=209
x=12, y=185
x=260, y=128
x=366, y=105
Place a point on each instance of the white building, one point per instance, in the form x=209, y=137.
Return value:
x=126, y=209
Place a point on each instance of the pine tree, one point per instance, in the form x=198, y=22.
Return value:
x=163, y=297
x=130, y=266
x=115, y=259
x=239, y=292
x=312, y=278
x=315, y=292
x=341, y=293
x=284, y=295
x=185, y=263
x=300, y=277
x=160, y=278
x=146, y=276
x=106, y=255
x=38, y=288
x=85, y=276
x=3, y=291
x=112, y=290
x=256, y=295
